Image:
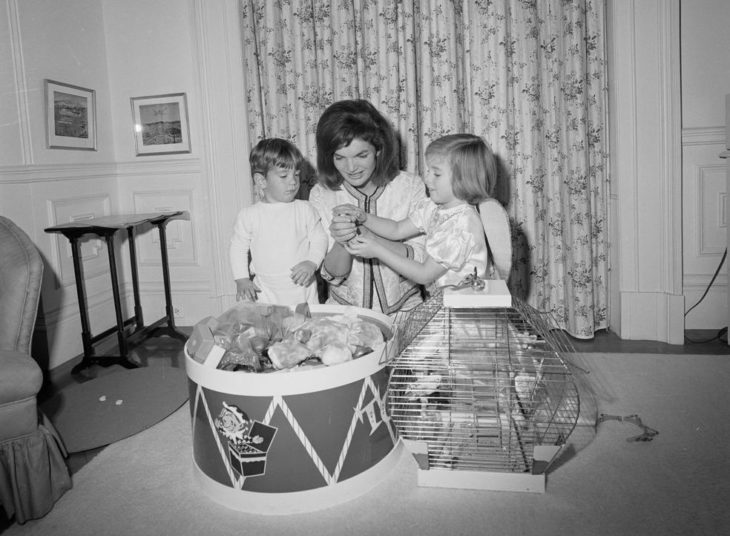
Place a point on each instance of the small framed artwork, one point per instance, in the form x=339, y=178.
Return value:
x=161, y=124
x=70, y=116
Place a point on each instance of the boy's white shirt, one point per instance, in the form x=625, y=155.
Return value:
x=279, y=236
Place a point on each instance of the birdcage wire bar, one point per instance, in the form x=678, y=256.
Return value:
x=481, y=387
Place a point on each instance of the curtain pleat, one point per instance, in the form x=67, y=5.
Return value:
x=530, y=77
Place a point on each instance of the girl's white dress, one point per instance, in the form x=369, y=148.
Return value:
x=279, y=236
x=454, y=239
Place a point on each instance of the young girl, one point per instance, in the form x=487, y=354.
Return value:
x=284, y=235
x=461, y=172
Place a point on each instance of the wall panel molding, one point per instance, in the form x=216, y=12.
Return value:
x=701, y=281
x=703, y=136
x=141, y=168
x=57, y=172
x=61, y=172
x=710, y=199
x=181, y=242
x=705, y=226
x=182, y=286
x=19, y=79
x=671, y=146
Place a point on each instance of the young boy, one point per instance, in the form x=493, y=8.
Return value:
x=284, y=235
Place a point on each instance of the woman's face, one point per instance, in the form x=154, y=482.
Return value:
x=356, y=162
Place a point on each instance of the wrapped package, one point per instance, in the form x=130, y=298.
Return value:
x=288, y=353
x=258, y=337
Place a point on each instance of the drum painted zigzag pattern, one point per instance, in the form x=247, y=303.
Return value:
x=320, y=438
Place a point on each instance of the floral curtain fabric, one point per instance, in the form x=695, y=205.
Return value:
x=529, y=76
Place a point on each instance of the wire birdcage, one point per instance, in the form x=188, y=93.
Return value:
x=481, y=395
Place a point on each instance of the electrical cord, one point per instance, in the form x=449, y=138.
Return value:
x=722, y=331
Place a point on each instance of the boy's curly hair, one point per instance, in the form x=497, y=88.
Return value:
x=272, y=153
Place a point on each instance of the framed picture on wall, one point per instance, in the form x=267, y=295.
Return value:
x=70, y=116
x=161, y=124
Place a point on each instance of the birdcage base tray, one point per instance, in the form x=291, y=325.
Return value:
x=481, y=480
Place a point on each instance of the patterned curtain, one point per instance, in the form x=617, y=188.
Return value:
x=529, y=76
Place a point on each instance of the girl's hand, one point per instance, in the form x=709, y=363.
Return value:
x=246, y=290
x=365, y=246
x=303, y=273
x=356, y=214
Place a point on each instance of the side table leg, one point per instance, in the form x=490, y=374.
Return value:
x=121, y=338
x=87, y=359
x=135, y=278
x=172, y=331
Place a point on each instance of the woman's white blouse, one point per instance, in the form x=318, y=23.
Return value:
x=370, y=284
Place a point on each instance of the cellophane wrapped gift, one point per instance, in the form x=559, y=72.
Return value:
x=257, y=337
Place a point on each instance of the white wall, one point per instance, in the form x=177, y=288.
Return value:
x=123, y=49
x=645, y=145
x=40, y=186
x=705, y=81
x=151, y=51
x=58, y=41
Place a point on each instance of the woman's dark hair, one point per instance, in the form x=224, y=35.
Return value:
x=346, y=120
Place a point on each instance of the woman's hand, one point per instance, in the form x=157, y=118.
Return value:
x=342, y=228
x=356, y=214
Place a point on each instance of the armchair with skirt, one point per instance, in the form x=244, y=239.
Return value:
x=33, y=472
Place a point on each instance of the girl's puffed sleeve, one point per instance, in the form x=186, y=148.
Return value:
x=451, y=250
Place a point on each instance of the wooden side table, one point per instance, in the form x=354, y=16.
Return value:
x=106, y=227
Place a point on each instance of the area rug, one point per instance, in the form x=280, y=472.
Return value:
x=677, y=483
x=114, y=406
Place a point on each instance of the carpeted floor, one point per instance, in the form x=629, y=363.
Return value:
x=604, y=485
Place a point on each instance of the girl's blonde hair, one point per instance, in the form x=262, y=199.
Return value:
x=473, y=165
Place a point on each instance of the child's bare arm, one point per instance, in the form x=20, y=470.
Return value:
x=387, y=228
x=423, y=273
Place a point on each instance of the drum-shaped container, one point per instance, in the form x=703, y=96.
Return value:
x=314, y=437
